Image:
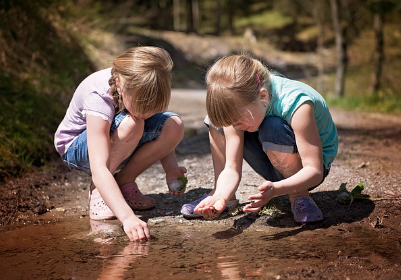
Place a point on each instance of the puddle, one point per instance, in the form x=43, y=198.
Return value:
x=77, y=249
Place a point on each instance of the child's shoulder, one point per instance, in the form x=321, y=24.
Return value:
x=97, y=77
x=101, y=74
x=96, y=82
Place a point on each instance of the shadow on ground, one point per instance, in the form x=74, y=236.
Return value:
x=334, y=214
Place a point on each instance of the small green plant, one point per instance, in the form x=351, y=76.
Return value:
x=234, y=211
x=270, y=210
x=266, y=210
x=345, y=196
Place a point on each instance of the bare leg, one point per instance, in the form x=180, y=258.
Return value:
x=123, y=142
x=287, y=165
x=302, y=205
x=151, y=152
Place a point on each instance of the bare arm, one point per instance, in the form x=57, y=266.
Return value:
x=229, y=178
x=99, y=156
x=310, y=151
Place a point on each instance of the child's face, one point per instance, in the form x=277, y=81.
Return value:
x=128, y=105
x=253, y=113
x=127, y=101
x=251, y=118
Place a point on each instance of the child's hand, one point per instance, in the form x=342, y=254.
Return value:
x=136, y=229
x=266, y=193
x=211, y=207
x=175, y=182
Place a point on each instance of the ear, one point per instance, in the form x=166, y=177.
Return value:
x=263, y=96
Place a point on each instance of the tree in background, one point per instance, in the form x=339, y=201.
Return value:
x=379, y=10
x=317, y=10
x=47, y=46
x=341, y=49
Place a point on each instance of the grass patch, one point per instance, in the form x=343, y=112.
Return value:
x=271, y=19
x=357, y=96
x=27, y=120
x=377, y=103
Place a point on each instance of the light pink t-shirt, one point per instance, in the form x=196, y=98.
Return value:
x=92, y=97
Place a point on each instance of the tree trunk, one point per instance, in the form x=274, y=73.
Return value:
x=231, y=6
x=378, y=55
x=189, y=16
x=196, y=15
x=319, y=16
x=176, y=15
x=341, y=50
x=218, y=18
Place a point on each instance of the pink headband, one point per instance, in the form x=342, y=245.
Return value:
x=257, y=77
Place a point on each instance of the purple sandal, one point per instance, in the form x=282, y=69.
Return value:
x=305, y=210
x=187, y=210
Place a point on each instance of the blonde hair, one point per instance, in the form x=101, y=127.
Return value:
x=232, y=83
x=146, y=76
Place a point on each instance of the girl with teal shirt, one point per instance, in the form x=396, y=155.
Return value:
x=281, y=127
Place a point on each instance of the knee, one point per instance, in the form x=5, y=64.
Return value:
x=174, y=128
x=276, y=134
x=130, y=129
x=274, y=123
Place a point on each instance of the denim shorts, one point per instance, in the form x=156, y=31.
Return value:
x=77, y=156
x=274, y=134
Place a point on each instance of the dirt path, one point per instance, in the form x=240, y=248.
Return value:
x=362, y=242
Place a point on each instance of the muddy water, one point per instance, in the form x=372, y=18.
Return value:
x=81, y=249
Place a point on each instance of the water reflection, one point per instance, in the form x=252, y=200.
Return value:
x=230, y=269
x=115, y=264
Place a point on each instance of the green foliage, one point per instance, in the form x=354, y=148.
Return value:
x=267, y=210
x=358, y=76
x=379, y=102
x=271, y=210
x=26, y=121
x=346, y=197
x=41, y=63
x=45, y=49
x=268, y=20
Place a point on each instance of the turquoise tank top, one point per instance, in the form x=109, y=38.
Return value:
x=288, y=95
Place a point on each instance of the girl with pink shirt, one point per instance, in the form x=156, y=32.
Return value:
x=116, y=127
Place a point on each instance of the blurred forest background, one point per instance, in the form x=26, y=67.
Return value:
x=349, y=50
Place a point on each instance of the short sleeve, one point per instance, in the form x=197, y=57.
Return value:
x=97, y=105
x=296, y=100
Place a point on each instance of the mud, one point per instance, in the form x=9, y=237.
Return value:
x=46, y=232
